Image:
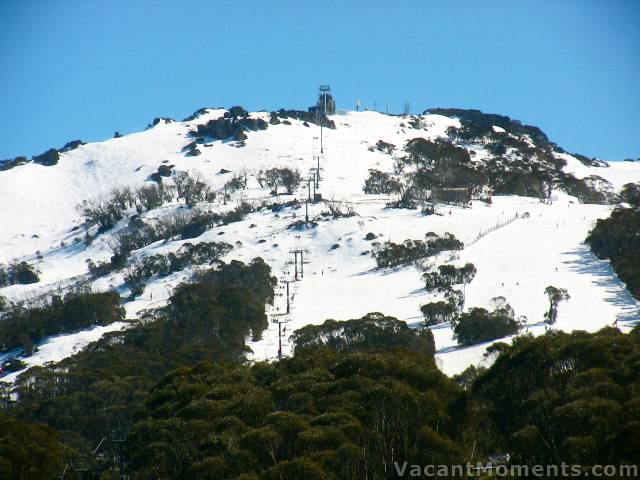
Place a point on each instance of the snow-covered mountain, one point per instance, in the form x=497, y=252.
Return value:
x=519, y=244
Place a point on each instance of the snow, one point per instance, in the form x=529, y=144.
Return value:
x=517, y=260
x=59, y=347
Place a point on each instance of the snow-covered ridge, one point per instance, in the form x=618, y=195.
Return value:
x=39, y=213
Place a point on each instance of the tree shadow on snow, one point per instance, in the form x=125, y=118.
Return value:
x=583, y=261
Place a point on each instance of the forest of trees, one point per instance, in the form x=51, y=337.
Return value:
x=173, y=396
x=23, y=327
x=98, y=392
x=617, y=239
x=355, y=397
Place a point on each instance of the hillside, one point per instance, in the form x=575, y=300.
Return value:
x=543, y=203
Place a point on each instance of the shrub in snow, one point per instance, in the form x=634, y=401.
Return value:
x=381, y=183
x=438, y=312
x=480, y=325
x=339, y=209
x=448, y=275
x=385, y=147
x=18, y=273
x=192, y=189
x=391, y=254
x=237, y=182
x=301, y=224
x=276, y=177
x=165, y=170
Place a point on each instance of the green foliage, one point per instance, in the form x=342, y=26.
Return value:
x=566, y=397
x=339, y=408
x=373, y=332
x=631, y=194
x=162, y=265
x=18, y=273
x=482, y=123
x=438, y=312
x=381, y=183
x=448, y=275
x=391, y=255
x=322, y=414
x=438, y=154
x=281, y=177
x=618, y=238
x=29, y=452
x=479, y=325
x=103, y=387
x=556, y=295
x=22, y=327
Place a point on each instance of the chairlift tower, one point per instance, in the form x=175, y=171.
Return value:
x=326, y=105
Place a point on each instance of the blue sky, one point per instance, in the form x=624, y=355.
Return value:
x=84, y=69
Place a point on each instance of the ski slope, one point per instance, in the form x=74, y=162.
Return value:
x=39, y=209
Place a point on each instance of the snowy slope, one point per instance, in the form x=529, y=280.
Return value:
x=39, y=208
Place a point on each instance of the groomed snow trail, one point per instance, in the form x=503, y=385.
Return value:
x=38, y=209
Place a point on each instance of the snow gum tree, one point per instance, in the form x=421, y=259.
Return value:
x=556, y=295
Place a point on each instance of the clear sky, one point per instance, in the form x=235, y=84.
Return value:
x=83, y=69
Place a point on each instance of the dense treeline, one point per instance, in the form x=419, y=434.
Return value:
x=338, y=414
x=355, y=397
x=325, y=413
x=100, y=390
x=29, y=452
x=23, y=327
x=343, y=407
x=390, y=254
x=374, y=331
x=566, y=397
x=618, y=238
